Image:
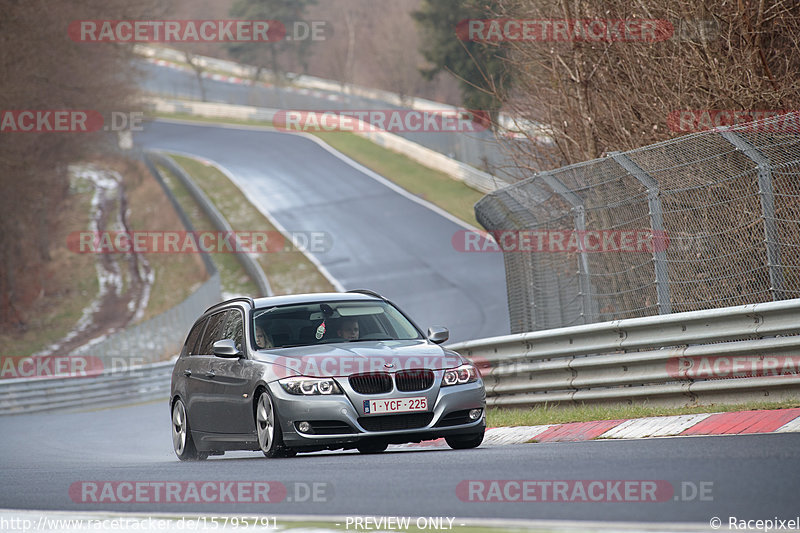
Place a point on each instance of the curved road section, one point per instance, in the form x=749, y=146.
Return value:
x=379, y=237
x=476, y=148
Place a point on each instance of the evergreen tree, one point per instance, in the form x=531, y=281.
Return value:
x=479, y=66
x=268, y=55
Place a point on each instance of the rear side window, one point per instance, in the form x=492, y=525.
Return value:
x=213, y=332
x=234, y=328
x=192, y=341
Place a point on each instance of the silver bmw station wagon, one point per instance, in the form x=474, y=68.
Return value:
x=326, y=371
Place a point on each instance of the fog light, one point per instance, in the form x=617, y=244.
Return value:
x=475, y=414
x=304, y=427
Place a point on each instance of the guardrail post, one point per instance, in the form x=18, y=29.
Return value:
x=656, y=225
x=579, y=218
x=670, y=359
x=767, y=196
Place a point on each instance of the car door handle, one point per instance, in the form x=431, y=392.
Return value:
x=210, y=375
x=187, y=373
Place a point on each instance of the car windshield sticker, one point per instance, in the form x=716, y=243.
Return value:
x=320, y=330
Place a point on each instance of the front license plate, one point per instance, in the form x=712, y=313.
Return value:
x=396, y=405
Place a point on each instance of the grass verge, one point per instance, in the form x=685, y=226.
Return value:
x=553, y=414
x=234, y=279
x=436, y=187
x=289, y=271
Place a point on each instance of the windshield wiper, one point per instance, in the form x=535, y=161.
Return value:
x=288, y=346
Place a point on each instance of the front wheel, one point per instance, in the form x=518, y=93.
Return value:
x=463, y=442
x=182, y=440
x=268, y=428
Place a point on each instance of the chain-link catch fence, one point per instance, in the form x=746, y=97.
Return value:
x=703, y=221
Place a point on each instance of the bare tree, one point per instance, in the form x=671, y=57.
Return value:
x=375, y=44
x=394, y=42
x=199, y=69
x=42, y=69
x=602, y=95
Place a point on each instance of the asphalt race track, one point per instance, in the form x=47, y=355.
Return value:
x=381, y=239
x=752, y=477
x=169, y=82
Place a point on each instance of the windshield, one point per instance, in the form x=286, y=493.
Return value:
x=329, y=322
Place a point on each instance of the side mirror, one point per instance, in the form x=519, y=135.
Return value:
x=226, y=348
x=438, y=334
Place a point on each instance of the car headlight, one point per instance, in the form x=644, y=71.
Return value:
x=310, y=386
x=458, y=376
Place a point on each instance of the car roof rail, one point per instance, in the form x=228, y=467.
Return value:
x=239, y=299
x=368, y=293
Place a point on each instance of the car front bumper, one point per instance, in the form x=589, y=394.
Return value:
x=340, y=410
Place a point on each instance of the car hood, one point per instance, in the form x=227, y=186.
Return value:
x=349, y=358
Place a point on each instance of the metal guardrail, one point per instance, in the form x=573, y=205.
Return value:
x=250, y=265
x=187, y=223
x=212, y=110
x=654, y=359
x=140, y=383
x=731, y=354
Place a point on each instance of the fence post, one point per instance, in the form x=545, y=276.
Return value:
x=500, y=211
x=767, y=196
x=656, y=225
x=579, y=218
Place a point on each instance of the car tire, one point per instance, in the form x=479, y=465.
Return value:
x=268, y=428
x=182, y=441
x=372, y=447
x=464, y=442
